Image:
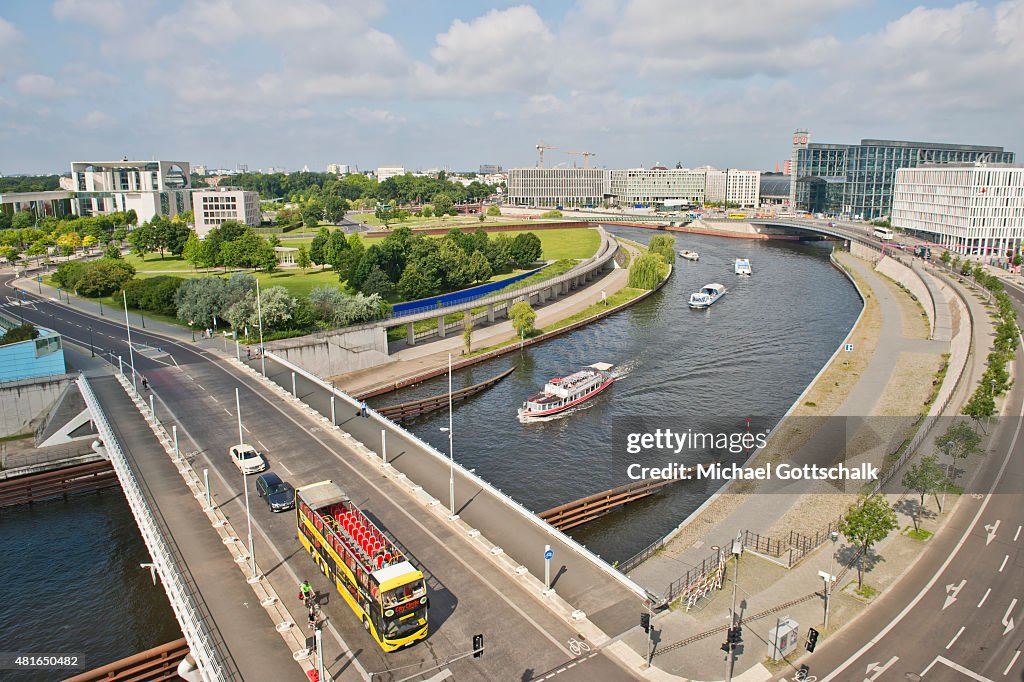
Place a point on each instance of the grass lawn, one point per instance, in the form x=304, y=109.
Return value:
x=295, y=281
x=152, y=261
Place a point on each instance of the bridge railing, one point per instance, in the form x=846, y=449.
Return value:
x=186, y=601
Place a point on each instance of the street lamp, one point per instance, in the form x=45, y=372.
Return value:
x=451, y=445
x=828, y=577
x=245, y=485
x=193, y=330
x=259, y=315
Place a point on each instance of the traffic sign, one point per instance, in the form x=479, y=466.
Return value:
x=39, y=278
x=548, y=553
x=849, y=348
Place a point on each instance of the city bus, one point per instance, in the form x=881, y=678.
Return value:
x=884, y=233
x=737, y=216
x=382, y=587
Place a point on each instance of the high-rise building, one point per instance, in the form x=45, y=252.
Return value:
x=213, y=206
x=972, y=209
x=858, y=179
x=151, y=188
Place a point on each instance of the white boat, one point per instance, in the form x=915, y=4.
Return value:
x=743, y=267
x=561, y=393
x=689, y=255
x=707, y=296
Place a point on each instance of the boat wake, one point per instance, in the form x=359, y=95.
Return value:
x=625, y=369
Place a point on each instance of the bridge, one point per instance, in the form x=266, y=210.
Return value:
x=234, y=596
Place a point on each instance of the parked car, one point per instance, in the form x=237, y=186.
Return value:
x=248, y=459
x=280, y=496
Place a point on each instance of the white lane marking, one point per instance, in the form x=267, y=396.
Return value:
x=284, y=466
x=228, y=411
x=1007, y=620
x=952, y=590
x=261, y=444
x=984, y=597
x=1012, y=661
x=955, y=666
x=991, y=528
x=200, y=385
x=1017, y=534
x=945, y=564
x=956, y=637
x=1003, y=565
x=879, y=669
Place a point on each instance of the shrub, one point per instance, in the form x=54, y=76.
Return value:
x=25, y=332
x=156, y=294
x=103, y=277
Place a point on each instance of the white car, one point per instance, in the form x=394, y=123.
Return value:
x=248, y=459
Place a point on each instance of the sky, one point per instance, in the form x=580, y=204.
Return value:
x=455, y=84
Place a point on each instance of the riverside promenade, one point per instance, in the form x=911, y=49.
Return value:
x=687, y=643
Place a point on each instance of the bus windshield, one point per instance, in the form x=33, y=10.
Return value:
x=403, y=593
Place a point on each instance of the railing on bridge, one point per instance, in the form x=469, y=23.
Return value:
x=186, y=602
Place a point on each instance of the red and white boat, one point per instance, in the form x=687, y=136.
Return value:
x=561, y=393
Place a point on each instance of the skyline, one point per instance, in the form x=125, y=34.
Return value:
x=372, y=84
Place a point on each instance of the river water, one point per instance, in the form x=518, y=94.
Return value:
x=751, y=354
x=72, y=581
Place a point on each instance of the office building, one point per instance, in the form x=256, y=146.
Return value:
x=775, y=189
x=642, y=187
x=972, y=209
x=385, y=172
x=575, y=187
x=56, y=203
x=857, y=180
x=213, y=206
x=737, y=187
x=151, y=188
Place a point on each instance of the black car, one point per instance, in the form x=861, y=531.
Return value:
x=280, y=496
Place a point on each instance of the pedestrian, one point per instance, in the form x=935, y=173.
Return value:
x=248, y=353
x=145, y=383
x=362, y=409
x=306, y=592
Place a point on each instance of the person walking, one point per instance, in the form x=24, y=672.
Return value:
x=362, y=409
x=145, y=384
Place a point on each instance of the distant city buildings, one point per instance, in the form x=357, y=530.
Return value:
x=339, y=168
x=211, y=207
x=151, y=188
x=858, y=179
x=199, y=169
x=972, y=209
x=488, y=168
x=385, y=172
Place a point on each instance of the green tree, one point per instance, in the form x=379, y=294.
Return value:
x=414, y=284
x=479, y=268
x=959, y=441
x=377, y=282
x=312, y=213
x=664, y=245
x=467, y=331
x=302, y=257
x=22, y=219
x=103, y=277
x=24, y=332
x=385, y=213
x=335, y=249
x=868, y=523
x=443, y=203
x=193, y=250
x=335, y=208
x=924, y=478
x=356, y=251
x=493, y=210
x=112, y=251
x=523, y=317
x=526, y=249
x=645, y=271
x=946, y=257
x=318, y=245
x=427, y=211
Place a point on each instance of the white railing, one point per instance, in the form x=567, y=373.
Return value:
x=512, y=504
x=210, y=660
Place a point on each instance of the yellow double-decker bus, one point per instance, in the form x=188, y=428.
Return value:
x=382, y=587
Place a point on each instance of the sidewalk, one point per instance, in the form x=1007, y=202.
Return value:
x=763, y=584
x=427, y=356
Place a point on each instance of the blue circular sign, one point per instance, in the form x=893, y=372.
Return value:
x=548, y=554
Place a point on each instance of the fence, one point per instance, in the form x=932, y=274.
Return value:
x=456, y=297
x=189, y=607
x=694, y=577
x=795, y=547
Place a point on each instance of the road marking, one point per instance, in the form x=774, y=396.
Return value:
x=1017, y=534
x=952, y=591
x=282, y=465
x=1012, y=661
x=1007, y=620
x=957, y=667
x=955, y=637
x=261, y=444
x=991, y=532
x=945, y=564
x=984, y=597
x=228, y=411
x=879, y=669
x=200, y=385
x=1003, y=565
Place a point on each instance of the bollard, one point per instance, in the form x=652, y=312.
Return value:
x=334, y=420
x=206, y=484
x=384, y=447
x=295, y=393
x=152, y=410
x=238, y=353
x=120, y=366
x=174, y=431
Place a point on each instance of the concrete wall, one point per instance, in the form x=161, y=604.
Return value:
x=895, y=270
x=24, y=404
x=335, y=352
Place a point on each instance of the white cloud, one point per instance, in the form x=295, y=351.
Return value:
x=108, y=15
x=96, y=119
x=37, y=85
x=8, y=33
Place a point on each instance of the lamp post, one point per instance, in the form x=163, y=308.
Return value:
x=829, y=578
x=131, y=351
x=737, y=550
x=245, y=485
x=193, y=330
x=451, y=445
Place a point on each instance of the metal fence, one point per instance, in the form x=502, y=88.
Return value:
x=692, y=577
x=187, y=603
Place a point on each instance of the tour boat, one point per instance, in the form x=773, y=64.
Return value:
x=707, y=296
x=561, y=393
x=689, y=255
x=743, y=267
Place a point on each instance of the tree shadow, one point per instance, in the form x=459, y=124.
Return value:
x=912, y=508
x=848, y=556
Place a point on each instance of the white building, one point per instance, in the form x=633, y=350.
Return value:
x=558, y=186
x=215, y=205
x=151, y=188
x=645, y=188
x=339, y=168
x=740, y=187
x=972, y=209
x=199, y=170
x=385, y=172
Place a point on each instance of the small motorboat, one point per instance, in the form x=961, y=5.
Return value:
x=707, y=296
x=742, y=267
x=689, y=255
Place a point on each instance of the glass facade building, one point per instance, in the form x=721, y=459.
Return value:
x=858, y=180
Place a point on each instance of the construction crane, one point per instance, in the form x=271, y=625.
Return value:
x=540, y=147
x=586, y=157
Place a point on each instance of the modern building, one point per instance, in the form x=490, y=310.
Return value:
x=973, y=209
x=385, y=172
x=775, y=189
x=213, y=206
x=857, y=180
x=151, y=188
x=649, y=187
x=577, y=187
x=56, y=203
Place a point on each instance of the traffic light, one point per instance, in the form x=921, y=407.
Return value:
x=645, y=622
x=735, y=635
x=812, y=640
x=478, y=646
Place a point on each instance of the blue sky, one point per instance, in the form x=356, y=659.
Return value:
x=457, y=84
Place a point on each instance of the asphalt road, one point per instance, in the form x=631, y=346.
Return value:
x=468, y=594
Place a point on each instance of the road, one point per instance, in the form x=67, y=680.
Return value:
x=468, y=593
x=958, y=614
